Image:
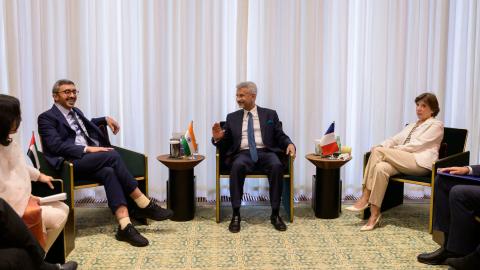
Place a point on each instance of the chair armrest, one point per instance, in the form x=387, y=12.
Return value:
x=460, y=159
x=291, y=159
x=134, y=161
x=66, y=174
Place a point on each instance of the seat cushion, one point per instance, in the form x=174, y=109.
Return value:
x=427, y=179
x=84, y=182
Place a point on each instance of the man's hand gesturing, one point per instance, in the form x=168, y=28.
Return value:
x=217, y=132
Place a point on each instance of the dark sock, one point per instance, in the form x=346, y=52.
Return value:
x=275, y=212
x=236, y=211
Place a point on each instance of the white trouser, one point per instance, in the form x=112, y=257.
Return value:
x=54, y=217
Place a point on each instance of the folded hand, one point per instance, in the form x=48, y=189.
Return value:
x=95, y=149
x=291, y=150
x=455, y=170
x=114, y=126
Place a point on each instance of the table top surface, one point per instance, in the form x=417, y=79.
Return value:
x=326, y=163
x=180, y=163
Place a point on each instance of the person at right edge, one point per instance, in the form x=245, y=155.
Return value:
x=456, y=209
x=253, y=138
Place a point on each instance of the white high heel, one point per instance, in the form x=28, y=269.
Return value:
x=352, y=208
x=371, y=227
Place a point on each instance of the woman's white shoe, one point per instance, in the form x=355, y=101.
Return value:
x=354, y=209
x=371, y=227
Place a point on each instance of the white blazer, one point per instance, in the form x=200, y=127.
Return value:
x=15, y=177
x=424, y=142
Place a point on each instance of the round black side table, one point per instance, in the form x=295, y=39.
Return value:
x=326, y=186
x=181, y=186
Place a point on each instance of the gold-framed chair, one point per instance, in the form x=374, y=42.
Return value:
x=136, y=163
x=451, y=153
x=223, y=172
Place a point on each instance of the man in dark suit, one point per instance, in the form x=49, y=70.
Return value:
x=456, y=206
x=67, y=134
x=18, y=247
x=251, y=139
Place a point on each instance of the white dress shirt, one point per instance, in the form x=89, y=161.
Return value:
x=80, y=138
x=256, y=129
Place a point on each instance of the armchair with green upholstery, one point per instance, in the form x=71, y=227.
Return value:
x=451, y=153
x=136, y=163
x=223, y=172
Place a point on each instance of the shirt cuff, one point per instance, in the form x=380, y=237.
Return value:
x=470, y=170
x=85, y=149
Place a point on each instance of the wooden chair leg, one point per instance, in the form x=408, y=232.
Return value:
x=218, y=204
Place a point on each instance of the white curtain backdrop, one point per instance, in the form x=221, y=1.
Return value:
x=156, y=65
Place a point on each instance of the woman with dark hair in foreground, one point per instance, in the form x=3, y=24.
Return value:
x=16, y=175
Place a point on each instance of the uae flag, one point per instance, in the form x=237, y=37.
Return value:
x=328, y=141
x=188, y=141
x=32, y=152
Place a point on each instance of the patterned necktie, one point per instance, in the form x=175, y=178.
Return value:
x=407, y=140
x=251, y=139
x=78, y=127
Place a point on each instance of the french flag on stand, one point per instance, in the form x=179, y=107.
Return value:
x=328, y=141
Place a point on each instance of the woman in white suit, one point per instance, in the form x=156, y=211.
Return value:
x=16, y=175
x=412, y=151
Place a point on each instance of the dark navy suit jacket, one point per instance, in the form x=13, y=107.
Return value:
x=58, y=138
x=273, y=136
x=475, y=170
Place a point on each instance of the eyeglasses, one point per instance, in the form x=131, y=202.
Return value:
x=68, y=92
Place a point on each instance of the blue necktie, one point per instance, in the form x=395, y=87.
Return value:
x=251, y=139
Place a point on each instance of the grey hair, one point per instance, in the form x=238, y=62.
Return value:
x=249, y=85
x=59, y=83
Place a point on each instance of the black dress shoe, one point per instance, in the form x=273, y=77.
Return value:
x=71, y=265
x=152, y=211
x=234, y=226
x=131, y=236
x=437, y=257
x=278, y=223
x=469, y=262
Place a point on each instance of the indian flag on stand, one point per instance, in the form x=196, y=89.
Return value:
x=32, y=152
x=188, y=141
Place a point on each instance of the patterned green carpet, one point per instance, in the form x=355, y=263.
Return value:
x=309, y=243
